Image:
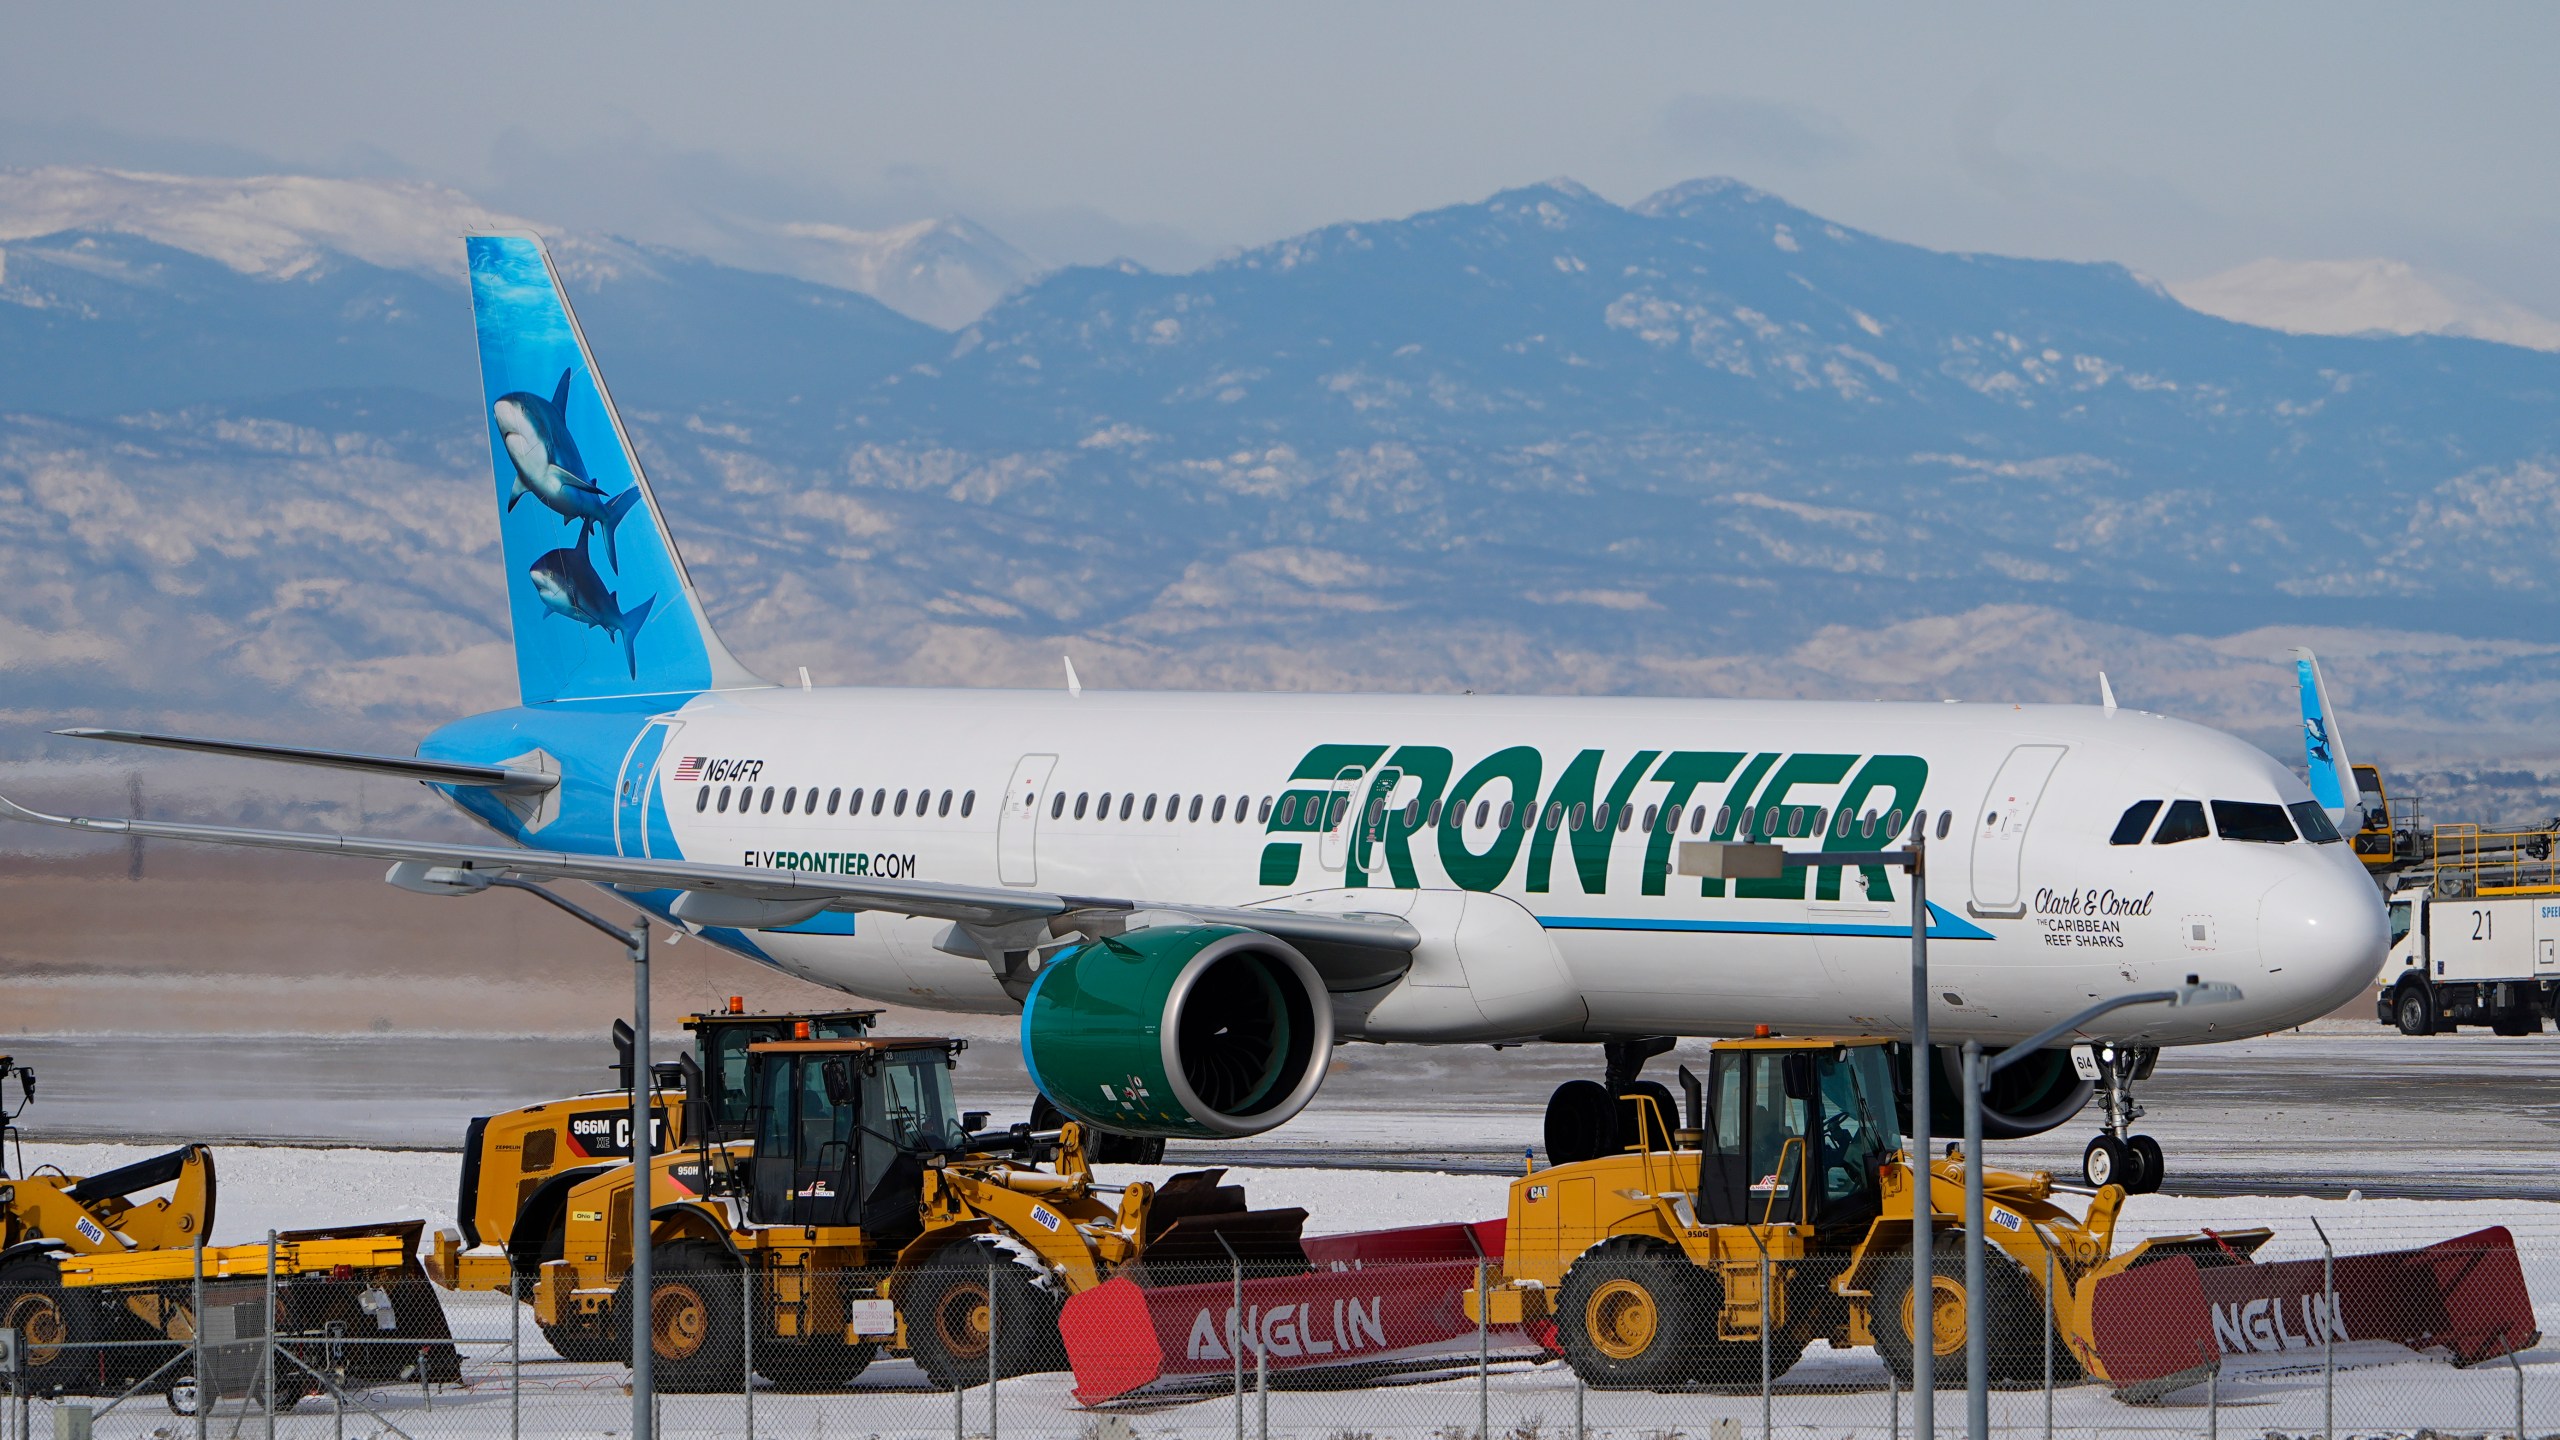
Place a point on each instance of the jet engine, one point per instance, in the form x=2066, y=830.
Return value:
x=2028, y=1098
x=1201, y=1031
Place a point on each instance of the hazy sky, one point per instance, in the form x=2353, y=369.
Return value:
x=2180, y=139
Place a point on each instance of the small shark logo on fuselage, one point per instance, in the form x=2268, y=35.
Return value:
x=570, y=586
x=536, y=435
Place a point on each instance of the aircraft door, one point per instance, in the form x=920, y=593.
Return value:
x=2000, y=828
x=1018, y=824
x=636, y=797
x=1342, y=818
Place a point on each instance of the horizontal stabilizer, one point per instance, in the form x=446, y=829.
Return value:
x=432, y=772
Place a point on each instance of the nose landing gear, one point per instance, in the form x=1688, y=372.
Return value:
x=2115, y=1157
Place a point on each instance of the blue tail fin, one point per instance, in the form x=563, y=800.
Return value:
x=2324, y=750
x=542, y=396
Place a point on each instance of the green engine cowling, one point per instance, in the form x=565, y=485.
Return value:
x=1195, y=1031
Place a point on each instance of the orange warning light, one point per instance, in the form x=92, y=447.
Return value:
x=737, y=1004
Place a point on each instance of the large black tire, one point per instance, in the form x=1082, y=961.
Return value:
x=2517, y=1020
x=2150, y=1166
x=1582, y=1122
x=2414, y=1012
x=696, y=1343
x=1634, y=1314
x=56, y=1327
x=812, y=1368
x=944, y=1304
x=2015, y=1305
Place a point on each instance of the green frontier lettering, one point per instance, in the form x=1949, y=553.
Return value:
x=1302, y=808
x=1684, y=771
x=1516, y=769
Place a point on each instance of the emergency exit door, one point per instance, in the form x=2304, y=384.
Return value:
x=2000, y=828
x=1018, y=824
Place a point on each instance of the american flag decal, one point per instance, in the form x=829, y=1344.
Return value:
x=689, y=768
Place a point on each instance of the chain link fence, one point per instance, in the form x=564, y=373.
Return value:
x=2380, y=1335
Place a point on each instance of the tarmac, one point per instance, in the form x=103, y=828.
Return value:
x=2338, y=1107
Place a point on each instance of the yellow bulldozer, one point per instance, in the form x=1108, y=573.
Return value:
x=1649, y=1264
x=859, y=1211
x=84, y=1263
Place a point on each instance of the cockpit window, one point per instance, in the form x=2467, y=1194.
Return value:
x=2252, y=820
x=2185, y=821
x=2314, y=822
x=2135, y=824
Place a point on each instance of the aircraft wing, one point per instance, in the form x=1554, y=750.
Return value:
x=1349, y=948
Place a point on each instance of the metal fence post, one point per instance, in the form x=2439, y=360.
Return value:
x=1235, y=1330
x=2213, y=1401
x=515, y=1356
x=1581, y=1392
x=267, y=1377
x=2328, y=1329
x=195, y=1335
x=991, y=1343
x=1768, y=1318
x=1893, y=1404
x=1484, y=1356
x=2048, y=1342
x=1262, y=1388
x=747, y=1342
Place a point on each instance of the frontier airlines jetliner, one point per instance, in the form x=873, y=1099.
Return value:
x=1189, y=898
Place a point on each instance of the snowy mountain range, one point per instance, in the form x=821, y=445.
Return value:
x=1706, y=443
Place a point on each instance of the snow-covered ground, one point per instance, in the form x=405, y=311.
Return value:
x=2378, y=1389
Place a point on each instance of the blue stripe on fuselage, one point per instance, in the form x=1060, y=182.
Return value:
x=1942, y=925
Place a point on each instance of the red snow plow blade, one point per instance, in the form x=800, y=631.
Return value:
x=1380, y=1297
x=2164, y=1325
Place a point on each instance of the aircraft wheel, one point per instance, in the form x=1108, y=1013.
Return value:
x=1582, y=1122
x=2148, y=1164
x=2415, y=1013
x=2107, y=1161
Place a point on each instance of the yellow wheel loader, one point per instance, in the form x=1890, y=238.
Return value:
x=518, y=1167
x=1649, y=1264
x=859, y=1213
x=83, y=1263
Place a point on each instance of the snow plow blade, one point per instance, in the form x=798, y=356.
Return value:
x=2164, y=1324
x=1376, y=1298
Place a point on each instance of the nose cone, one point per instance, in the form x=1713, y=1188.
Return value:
x=2322, y=936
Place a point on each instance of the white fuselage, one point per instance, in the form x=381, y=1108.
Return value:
x=1580, y=931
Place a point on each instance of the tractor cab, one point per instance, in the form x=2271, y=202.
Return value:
x=1796, y=1133
x=723, y=1038
x=845, y=1128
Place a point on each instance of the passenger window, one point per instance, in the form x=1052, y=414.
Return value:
x=701, y=803
x=2314, y=822
x=900, y=810
x=1697, y=819
x=1506, y=815
x=2134, y=823
x=2184, y=822
x=724, y=800
x=1650, y=812
x=968, y=802
x=1577, y=815
x=1943, y=817
x=1218, y=811
x=1265, y=812
x=1244, y=803
x=1484, y=812
x=1195, y=809
x=788, y=796
x=1126, y=801
x=766, y=808
x=1081, y=797
x=879, y=799
x=833, y=796
x=2255, y=821
x=943, y=808
x=1150, y=812
x=1057, y=804
x=1555, y=813
x=1433, y=818
x=1288, y=810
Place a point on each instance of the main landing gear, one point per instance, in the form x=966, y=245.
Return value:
x=1587, y=1119
x=2116, y=1158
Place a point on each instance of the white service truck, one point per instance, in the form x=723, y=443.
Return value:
x=2489, y=960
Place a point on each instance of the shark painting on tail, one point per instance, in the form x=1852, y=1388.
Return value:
x=536, y=434
x=569, y=585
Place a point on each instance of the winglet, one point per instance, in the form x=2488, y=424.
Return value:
x=2106, y=692
x=12, y=810
x=2324, y=749
x=1075, y=687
